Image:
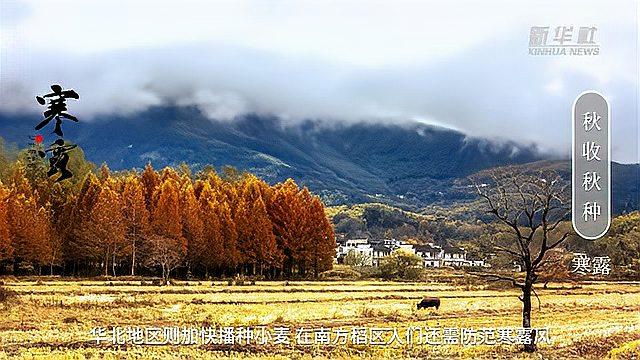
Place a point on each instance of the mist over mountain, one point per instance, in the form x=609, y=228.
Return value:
x=409, y=164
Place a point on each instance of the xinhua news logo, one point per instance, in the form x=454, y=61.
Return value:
x=563, y=40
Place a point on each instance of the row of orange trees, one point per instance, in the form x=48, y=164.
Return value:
x=159, y=221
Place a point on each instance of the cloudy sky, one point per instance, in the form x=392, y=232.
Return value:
x=460, y=64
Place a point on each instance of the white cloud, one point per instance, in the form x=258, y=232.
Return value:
x=459, y=64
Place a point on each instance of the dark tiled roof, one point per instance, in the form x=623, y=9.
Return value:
x=380, y=248
x=453, y=250
x=379, y=241
x=426, y=249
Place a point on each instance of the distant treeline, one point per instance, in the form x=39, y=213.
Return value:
x=155, y=222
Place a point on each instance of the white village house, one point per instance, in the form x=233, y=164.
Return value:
x=372, y=251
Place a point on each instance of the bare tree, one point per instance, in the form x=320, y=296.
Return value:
x=529, y=207
x=165, y=252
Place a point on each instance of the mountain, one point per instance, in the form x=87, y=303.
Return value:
x=410, y=165
x=625, y=184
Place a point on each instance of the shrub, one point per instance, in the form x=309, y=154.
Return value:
x=401, y=264
x=354, y=258
x=344, y=273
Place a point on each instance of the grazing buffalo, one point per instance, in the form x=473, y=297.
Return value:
x=429, y=302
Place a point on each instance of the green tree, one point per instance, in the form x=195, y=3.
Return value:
x=401, y=264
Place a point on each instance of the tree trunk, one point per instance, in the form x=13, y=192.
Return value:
x=526, y=316
x=113, y=264
x=165, y=274
x=133, y=258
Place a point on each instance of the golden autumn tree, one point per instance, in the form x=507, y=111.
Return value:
x=285, y=211
x=28, y=229
x=243, y=230
x=256, y=240
x=27, y=220
x=192, y=224
x=105, y=228
x=150, y=181
x=320, y=240
x=136, y=216
x=45, y=239
x=166, y=246
x=264, y=250
x=227, y=198
x=62, y=199
x=6, y=249
x=210, y=253
x=169, y=173
x=224, y=203
x=88, y=196
x=53, y=251
x=79, y=245
x=229, y=235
